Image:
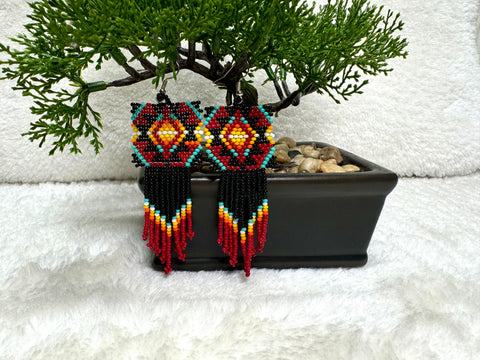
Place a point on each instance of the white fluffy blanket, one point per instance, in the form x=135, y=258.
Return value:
x=76, y=283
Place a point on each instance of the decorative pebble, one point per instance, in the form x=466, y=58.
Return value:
x=310, y=152
x=298, y=159
x=292, y=159
x=331, y=168
x=310, y=165
x=331, y=161
x=351, y=168
x=330, y=152
x=281, y=156
x=293, y=153
x=287, y=141
x=207, y=169
x=283, y=147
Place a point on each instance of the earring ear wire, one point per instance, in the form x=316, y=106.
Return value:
x=162, y=93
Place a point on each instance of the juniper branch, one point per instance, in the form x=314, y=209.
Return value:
x=328, y=50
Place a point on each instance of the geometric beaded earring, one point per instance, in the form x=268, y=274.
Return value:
x=239, y=142
x=166, y=141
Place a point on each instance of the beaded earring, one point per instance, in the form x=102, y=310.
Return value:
x=239, y=140
x=166, y=142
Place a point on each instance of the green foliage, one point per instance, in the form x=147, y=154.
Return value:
x=326, y=50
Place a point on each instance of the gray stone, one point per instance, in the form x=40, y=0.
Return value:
x=330, y=152
x=293, y=153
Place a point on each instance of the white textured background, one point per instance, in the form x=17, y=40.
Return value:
x=76, y=281
x=423, y=119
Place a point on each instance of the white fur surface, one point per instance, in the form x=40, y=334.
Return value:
x=76, y=283
x=422, y=120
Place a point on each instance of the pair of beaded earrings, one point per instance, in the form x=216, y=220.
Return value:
x=167, y=141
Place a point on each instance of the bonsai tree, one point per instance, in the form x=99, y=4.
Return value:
x=328, y=49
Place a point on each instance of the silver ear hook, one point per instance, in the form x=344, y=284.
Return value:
x=162, y=96
x=164, y=84
x=238, y=89
x=238, y=93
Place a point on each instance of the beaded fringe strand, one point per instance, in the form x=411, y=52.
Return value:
x=242, y=212
x=167, y=191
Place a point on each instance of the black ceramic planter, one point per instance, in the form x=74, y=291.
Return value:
x=315, y=220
